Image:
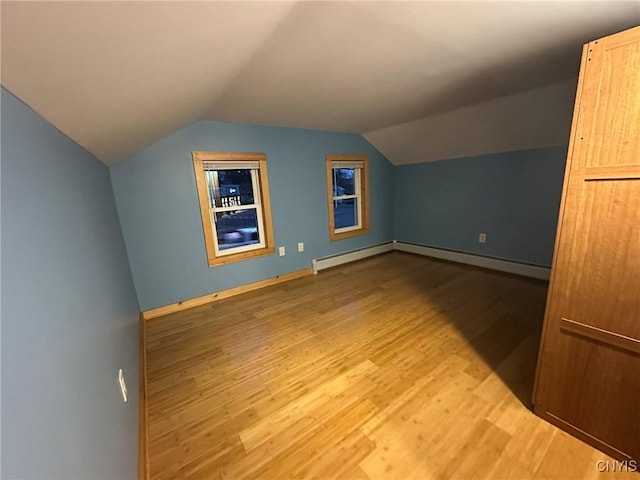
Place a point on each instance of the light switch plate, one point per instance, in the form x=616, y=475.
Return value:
x=123, y=385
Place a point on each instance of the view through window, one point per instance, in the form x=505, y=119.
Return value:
x=347, y=182
x=234, y=204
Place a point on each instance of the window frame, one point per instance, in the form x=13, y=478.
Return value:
x=260, y=179
x=362, y=197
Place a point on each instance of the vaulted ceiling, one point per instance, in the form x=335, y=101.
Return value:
x=117, y=76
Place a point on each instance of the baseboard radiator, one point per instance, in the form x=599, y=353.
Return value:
x=516, y=268
x=523, y=269
x=342, y=258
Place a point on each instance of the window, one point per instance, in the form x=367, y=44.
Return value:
x=233, y=190
x=347, y=187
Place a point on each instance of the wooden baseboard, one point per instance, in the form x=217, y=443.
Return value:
x=143, y=429
x=214, y=297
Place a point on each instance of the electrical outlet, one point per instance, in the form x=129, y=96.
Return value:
x=123, y=385
x=301, y=247
x=281, y=251
x=482, y=238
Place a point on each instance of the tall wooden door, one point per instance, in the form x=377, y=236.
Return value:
x=588, y=378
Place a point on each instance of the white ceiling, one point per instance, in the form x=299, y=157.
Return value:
x=117, y=76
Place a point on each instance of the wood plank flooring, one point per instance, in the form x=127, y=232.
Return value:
x=393, y=367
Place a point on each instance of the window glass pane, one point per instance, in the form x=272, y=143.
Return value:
x=343, y=181
x=237, y=228
x=345, y=213
x=232, y=188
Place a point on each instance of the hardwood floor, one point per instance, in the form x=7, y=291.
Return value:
x=393, y=367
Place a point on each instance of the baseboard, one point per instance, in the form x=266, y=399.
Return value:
x=214, y=297
x=342, y=258
x=476, y=260
x=143, y=425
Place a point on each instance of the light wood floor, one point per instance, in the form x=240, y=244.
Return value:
x=394, y=367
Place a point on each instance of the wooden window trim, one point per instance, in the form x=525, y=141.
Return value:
x=364, y=187
x=203, y=200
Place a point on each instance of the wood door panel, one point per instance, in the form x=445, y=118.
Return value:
x=589, y=388
x=600, y=335
x=611, y=108
x=588, y=378
x=601, y=268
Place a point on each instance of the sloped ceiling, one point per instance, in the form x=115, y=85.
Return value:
x=540, y=117
x=117, y=76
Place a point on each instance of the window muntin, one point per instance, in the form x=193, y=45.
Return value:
x=234, y=204
x=347, y=183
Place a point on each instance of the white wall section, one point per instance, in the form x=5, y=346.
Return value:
x=533, y=119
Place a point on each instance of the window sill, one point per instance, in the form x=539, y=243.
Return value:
x=239, y=257
x=351, y=233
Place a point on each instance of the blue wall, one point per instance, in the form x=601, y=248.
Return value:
x=156, y=196
x=69, y=312
x=513, y=197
